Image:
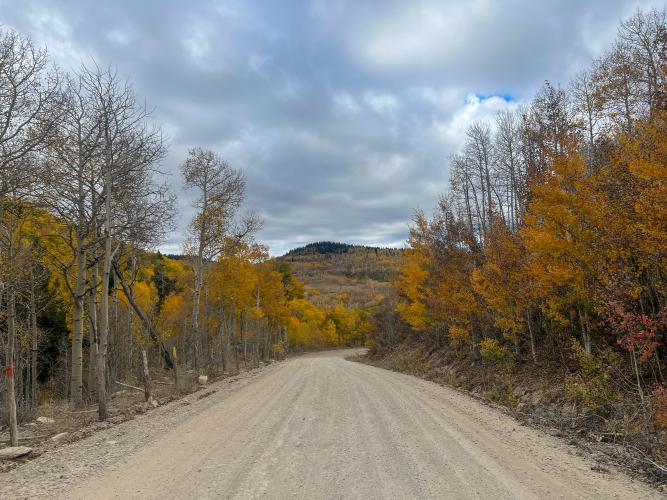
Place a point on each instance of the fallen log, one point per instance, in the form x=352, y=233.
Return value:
x=14, y=452
x=164, y=353
x=130, y=386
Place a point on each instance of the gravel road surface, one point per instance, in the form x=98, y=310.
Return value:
x=319, y=426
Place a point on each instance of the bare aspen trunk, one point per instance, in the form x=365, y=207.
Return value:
x=104, y=307
x=129, y=293
x=195, y=310
x=146, y=375
x=228, y=344
x=116, y=322
x=33, y=338
x=205, y=334
x=92, y=303
x=489, y=203
x=11, y=333
x=530, y=332
x=585, y=334
x=130, y=315
x=103, y=339
x=11, y=382
x=638, y=378
x=468, y=208
x=76, y=380
x=221, y=341
x=92, y=331
x=244, y=342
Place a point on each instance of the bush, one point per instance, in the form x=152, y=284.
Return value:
x=659, y=407
x=592, y=384
x=492, y=351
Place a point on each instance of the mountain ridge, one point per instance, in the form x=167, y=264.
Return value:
x=334, y=247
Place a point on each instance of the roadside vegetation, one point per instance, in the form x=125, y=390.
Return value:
x=540, y=280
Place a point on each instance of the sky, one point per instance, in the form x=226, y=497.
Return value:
x=341, y=114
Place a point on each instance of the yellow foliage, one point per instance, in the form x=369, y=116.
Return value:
x=171, y=318
x=411, y=284
x=458, y=335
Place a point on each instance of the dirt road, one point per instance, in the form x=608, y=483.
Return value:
x=319, y=426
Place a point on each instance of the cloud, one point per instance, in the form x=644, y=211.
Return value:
x=424, y=33
x=382, y=103
x=476, y=108
x=345, y=104
x=341, y=113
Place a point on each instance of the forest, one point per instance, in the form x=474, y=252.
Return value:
x=545, y=262
x=330, y=247
x=87, y=304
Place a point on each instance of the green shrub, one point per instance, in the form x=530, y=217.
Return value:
x=492, y=351
x=592, y=385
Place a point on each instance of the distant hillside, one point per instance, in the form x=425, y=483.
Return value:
x=335, y=272
x=175, y=256
x=330, y=247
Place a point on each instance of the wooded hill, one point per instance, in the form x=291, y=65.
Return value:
x=360, y=276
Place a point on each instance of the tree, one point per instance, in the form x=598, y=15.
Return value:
x=510, y=169
x=131, y=148
x=70, y=181
x=553, y=227
x=643, y=38
x=504, y=286
x=29, y=103
x=479, y=153
x=29, y=106
x=220, y=192
x=588, y=107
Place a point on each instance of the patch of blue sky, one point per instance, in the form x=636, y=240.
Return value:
x=483, y=97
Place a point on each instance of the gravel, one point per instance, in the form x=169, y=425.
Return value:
x=318, y=426
x=52, y=474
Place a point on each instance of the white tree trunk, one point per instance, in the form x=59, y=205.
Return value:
x=11, y=383
x=104, y=306
x=196, y=331
x=76, y=379
x=146, y=375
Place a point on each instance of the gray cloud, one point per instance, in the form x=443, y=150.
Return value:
x=341, y=113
